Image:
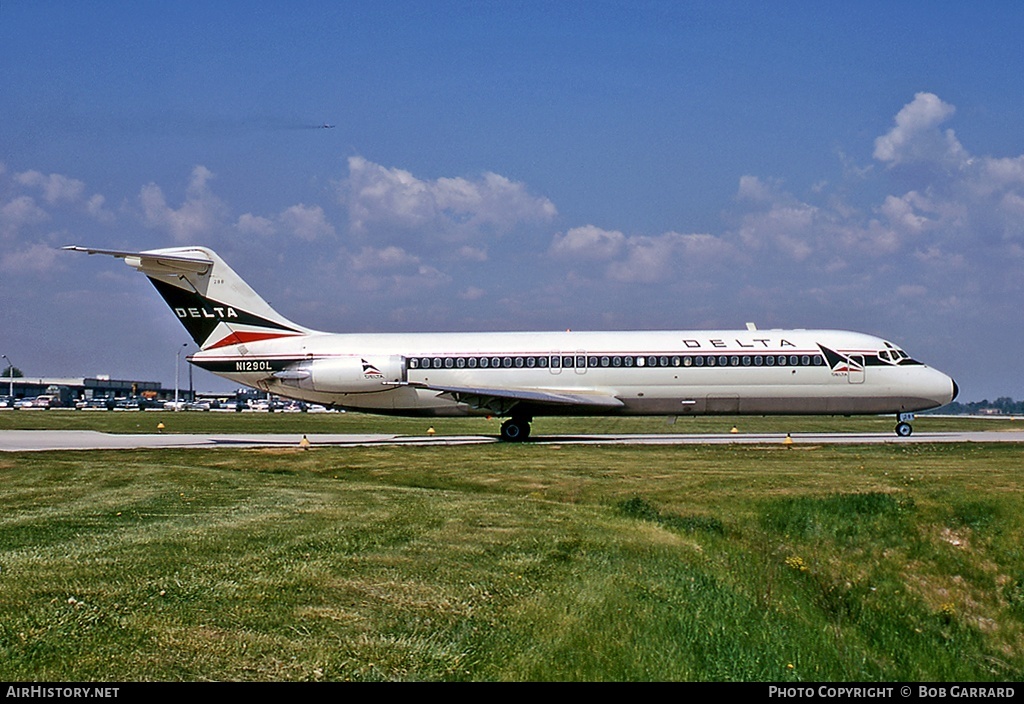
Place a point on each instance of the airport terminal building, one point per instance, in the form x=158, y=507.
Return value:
x=72, y=389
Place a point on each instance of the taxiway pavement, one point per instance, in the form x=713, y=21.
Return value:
x=49, y=440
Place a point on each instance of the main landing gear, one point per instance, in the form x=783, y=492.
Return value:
x=515, y=429
x=903, y=428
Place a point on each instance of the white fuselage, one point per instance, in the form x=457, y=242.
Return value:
x=635, y=373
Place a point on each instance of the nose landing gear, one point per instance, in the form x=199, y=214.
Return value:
x=903, y=428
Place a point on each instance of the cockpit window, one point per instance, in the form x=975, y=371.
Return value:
x=892, y=354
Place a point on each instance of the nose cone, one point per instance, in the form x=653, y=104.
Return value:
x=929, y=388
x=942, y=388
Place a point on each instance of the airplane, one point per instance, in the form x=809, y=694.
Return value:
x=524, y=375
x=325, y=126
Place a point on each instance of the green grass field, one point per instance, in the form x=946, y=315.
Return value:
x=504, y=562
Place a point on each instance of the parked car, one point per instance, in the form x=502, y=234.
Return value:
x=96, y=403
x=33, y=402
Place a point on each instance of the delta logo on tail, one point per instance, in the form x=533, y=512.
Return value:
x=839, y=363
x=206, y=320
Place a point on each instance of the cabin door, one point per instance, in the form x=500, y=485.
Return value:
x=855, y=375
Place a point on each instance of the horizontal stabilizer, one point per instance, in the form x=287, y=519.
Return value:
x=154, y=262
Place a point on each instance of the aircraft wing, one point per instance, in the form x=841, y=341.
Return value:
x=501, y=400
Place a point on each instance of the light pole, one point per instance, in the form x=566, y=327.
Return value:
x=177, y=363
x=10, y=372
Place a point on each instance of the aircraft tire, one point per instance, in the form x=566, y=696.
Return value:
x=515, y=430
x=904, y=430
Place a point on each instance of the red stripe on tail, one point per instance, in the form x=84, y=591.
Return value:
x=237, y=338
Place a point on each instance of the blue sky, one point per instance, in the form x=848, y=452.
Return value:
x=518, y=166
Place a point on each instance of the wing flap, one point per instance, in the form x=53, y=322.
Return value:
x=502, y=400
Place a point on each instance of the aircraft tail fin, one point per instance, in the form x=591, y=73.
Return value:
x=216, y=306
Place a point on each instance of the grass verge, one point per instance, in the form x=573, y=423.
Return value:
x=514, y=562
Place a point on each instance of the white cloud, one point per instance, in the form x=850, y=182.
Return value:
x=373, y=259
x=916, y=136
x=389, y=202
x=249, y=224
x=55, y=187
x=640, y=258
x=902, y=214
x=654, y=259
x=588, y=242
x=36, y=258
x=19, y=212
x=757, y=190
x=57, y=190
x=306, y=222
x=785, y=227
x=95, y=207
x=197, y=216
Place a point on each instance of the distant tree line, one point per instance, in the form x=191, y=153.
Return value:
x=1004, y=404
